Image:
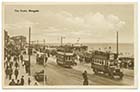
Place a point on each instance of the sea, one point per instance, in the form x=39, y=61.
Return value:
x=125, y=49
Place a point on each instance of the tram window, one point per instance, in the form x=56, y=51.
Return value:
x=100, y=61
x=103, y=62
x=68, y=57
x=95, y=60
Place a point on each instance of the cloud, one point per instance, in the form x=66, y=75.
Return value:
x=90, y=24
x=55, y=24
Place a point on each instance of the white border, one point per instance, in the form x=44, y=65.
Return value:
x=105, y=90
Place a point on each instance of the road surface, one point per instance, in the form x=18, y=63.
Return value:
x=58, y=75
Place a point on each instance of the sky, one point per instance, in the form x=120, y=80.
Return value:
x=90, y=23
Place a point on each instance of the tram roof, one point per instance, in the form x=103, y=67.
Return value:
x=65, y=53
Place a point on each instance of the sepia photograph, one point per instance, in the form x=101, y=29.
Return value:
x=69, y=45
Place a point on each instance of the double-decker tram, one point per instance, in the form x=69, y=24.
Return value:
x=106, y=63
x=65, y=56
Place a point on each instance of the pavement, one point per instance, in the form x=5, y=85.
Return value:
x=22, y=72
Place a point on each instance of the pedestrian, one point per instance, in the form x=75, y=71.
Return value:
x=46, y=58
x=26, y=67
x=16, y=72
x=10, y=71
x=37, y=58
x=5, y=64
x=23, y=63
x=36, y=84
x=15, y=58
x=18, y=57
x=85, y=75
x=10, y=64
x=6, y=72
x=85, y=82
x=12, y=83
x=21, y=58
x=16, y=64
x=22, y=80
x=18, y=83
x=29, y=81
x=8, y=58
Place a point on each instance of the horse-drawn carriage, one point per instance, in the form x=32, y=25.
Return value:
x=41, y=58
x=40, y=76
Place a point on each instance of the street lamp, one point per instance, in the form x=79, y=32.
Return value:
x=62, y=40
x=29, y=51
x=44, y=62
x=117, y=47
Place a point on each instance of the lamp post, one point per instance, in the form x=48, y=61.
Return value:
x=62, y=40
x=29, y=51
x=117, y=45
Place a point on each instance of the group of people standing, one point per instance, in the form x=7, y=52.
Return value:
x=12, y=69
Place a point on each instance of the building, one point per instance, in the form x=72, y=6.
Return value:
x=19, y=41
x=6, y=41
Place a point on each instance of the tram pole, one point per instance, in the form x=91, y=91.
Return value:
x=61, y=40
x=44, y=62
x=44, y=72
x=117, y=47
x=29, y=51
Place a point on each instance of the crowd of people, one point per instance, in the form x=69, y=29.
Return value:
x=13, y=73
x=11, y=66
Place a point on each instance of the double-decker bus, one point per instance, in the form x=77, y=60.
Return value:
x=106, y=63
x=65, y=56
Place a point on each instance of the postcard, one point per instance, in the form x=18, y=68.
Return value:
x=69, y=45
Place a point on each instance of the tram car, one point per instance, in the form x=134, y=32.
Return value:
x=65, y=57
x=107, y=64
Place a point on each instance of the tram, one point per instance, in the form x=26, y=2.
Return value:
x=65, y=57
x=106, y=63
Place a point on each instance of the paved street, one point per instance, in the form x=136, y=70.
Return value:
x=58, y=75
